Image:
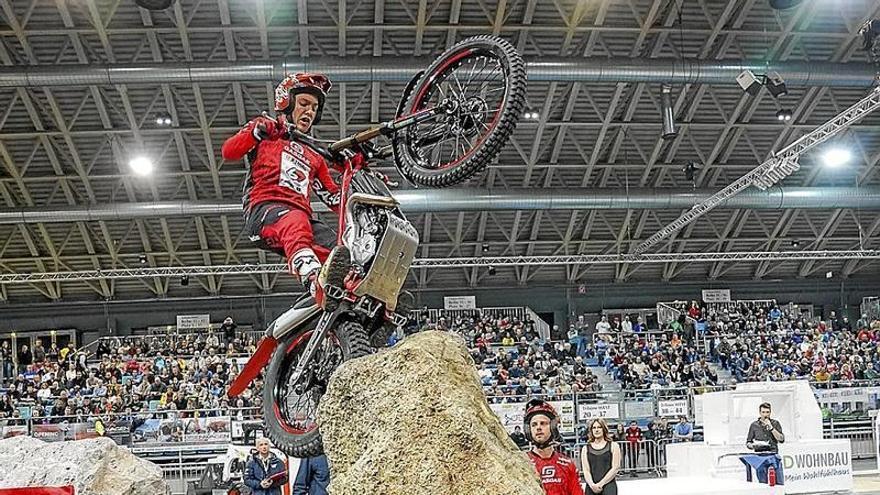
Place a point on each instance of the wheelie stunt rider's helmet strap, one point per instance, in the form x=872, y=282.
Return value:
x=315, y=84
x=538, y=406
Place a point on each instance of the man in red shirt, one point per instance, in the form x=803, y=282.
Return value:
x=633, y=437
x=558, y=473
x=283, y=171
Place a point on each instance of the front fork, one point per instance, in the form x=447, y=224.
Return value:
x=324, y=324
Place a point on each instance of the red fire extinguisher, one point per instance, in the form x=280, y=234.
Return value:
x=771, y=476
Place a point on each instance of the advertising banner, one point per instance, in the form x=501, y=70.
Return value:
x=53, y=432
x=511, y=415
x=207, y=430
x=13, y=431
x=817, y=467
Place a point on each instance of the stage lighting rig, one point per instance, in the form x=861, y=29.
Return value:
x=749, y=82
x=690, y=171
x=783, y=115
x=775, y=84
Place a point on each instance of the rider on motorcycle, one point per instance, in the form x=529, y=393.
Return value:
x=283, y=170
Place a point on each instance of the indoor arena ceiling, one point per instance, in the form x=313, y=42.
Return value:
x=65, y=144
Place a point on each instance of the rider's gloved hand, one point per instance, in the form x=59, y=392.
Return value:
x=265, y=128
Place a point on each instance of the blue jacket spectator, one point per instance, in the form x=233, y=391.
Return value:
x=313, y=476
x=265, y=473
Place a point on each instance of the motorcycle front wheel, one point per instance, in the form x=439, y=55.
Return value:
x=482, y=80
x=290, y=409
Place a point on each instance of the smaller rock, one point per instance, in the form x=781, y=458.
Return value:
x=97, y=466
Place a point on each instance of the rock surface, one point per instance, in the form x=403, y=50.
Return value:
x=94, y=467
x=413, y=420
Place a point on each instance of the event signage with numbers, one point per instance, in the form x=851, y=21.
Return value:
x=587, y=412
x=716, y=295
x=193, y=322
x=459, y=302
x=676, y=407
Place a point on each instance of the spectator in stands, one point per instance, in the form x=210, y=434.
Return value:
x=639, y=325
x=25, y=358
x=228, y=329
x=602, y=326
x=634, y=439
x=626, y=326
x=6, y=363
x=519, y=438
x=39, y=353
x=264, y=472
x=683, y=431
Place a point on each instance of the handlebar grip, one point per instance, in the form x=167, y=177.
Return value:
x=343, y=144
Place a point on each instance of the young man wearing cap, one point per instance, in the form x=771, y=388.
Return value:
x=558, y=473
x=283, y=171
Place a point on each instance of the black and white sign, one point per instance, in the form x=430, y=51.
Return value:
x=459, y=302
x=716, y=295
x=671, y=408
x=587, y=412
x=193, y=322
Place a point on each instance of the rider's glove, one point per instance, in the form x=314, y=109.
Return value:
x=265, y=128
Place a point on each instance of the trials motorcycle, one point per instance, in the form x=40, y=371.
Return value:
x=452, y=121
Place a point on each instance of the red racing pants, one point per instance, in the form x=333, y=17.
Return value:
x=288, y=231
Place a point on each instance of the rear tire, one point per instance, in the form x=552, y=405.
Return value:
x=351, y=339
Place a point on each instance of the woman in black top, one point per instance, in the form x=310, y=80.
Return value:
x=600, y=460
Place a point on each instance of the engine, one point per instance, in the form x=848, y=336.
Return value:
x=362, y=236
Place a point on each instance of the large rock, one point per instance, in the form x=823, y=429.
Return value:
x=94, y=467
x=413, y=420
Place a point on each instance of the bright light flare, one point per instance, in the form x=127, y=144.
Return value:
x=141, y=165
x=836, y=157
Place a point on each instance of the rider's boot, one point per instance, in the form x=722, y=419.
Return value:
x=331, y=279
x=305, y=265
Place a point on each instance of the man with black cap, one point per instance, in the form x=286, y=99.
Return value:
x=558, y=473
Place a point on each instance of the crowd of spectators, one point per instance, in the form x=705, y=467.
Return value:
x=187, y=373
x=754, y=342
x=514, y=362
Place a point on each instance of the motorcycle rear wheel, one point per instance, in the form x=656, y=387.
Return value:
x=290, y=409
x=454, y=147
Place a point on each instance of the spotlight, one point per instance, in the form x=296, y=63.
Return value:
x=143, y=259
x=783, y=115
x=795, y=243
x=749, y=82
x=829, y=274
x=492, y=270
x=485, y=246
x=184, y=280
x=163, y=119
x=835, y=157
x=775, y=84
x=141, y=165
x=690, y=171
x=530, y=115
